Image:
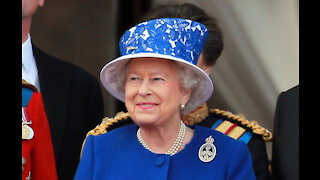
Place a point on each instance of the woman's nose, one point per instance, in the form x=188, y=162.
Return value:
x=144, y=89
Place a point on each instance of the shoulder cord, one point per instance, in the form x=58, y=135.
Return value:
x=256, y=128
x=104, y=125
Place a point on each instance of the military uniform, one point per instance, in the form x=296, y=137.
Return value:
x=235, y=126
x=38, y=160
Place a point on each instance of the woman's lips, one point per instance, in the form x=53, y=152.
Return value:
x=147, y=105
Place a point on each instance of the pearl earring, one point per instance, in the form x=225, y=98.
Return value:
x=182, y=106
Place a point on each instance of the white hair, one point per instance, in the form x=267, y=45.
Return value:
x=190, y=80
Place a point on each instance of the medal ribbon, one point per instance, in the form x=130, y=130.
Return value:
x=25, y=116
x=27, y=131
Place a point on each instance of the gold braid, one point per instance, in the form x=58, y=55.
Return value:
x=256, y=128
x=28, y=85
x=104, y=125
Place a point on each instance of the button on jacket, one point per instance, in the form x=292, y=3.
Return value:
x=119, y=155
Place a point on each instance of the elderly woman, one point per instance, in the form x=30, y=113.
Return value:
x=158, y=80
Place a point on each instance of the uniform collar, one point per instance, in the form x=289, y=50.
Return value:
x=29, y=67
x=196, y=116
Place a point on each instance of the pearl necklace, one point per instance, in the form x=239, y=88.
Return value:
x=176, y=145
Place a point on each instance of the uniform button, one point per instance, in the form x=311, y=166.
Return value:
x=159, y=161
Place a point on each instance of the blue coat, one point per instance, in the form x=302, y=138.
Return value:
x=119, y=155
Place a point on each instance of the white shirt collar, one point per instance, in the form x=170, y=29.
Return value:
x=29, y=67
x=27, y=55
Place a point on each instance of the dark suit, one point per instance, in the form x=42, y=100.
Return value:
x=285, y=152
x=74, y=105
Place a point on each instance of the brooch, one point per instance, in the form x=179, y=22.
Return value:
x=208, y=150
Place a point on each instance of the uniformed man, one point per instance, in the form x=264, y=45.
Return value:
x=38, y=160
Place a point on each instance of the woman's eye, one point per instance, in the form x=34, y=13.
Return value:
x=158, y=79
x=134, y=78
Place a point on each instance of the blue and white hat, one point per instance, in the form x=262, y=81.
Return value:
x=176, y=39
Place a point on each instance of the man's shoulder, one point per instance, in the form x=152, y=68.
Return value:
x=109, y=125
x=233, y=125
x=290, y=96
x=237, y=126
x=50, y=62
x=292, y=91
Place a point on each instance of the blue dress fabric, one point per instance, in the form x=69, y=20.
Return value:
x=119, y=155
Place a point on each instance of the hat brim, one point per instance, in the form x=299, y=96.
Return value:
x=110, y=73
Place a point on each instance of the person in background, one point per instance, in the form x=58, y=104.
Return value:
x=72, y=97
x=157, y=78
x=285, y=149
x=235, y=126
x=38, y=160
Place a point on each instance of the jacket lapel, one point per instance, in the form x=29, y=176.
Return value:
x=55, y=87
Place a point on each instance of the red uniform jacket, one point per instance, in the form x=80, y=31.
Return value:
x=38, y=160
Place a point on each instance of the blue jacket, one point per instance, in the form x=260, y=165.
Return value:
x=119, y=155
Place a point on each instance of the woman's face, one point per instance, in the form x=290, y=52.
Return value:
x=152, y=91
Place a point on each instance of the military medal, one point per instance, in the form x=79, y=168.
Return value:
x=27, y=131
x=207, y=151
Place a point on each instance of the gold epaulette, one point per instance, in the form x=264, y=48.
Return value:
x=253, y=125
x=102, y=128
x=28, y=85
x=197, y=115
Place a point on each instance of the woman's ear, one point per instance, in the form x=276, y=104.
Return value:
x=185, y=96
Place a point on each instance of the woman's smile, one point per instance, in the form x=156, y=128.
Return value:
x=147, y=105
x=152, y=91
